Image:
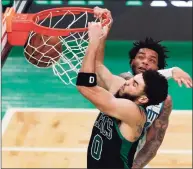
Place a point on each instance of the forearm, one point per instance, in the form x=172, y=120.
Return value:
x=88, y=64
x=100, y=13
x=167, y=73
x=146, y=154
x=155, y=136
x=104, y=77
x=100, y=52
x=99, y=62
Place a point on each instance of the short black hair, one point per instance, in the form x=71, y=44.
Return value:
x=153, y=45
x=156, y=87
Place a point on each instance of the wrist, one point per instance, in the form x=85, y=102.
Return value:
x=94, y=41
x=167, y=73
x=173, y=69
x=103, y=38
x=93, y=44
x=170, y=72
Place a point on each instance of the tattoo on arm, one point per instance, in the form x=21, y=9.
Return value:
x=155, y=137
x=139, y=129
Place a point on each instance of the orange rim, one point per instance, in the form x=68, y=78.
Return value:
x=57, y=12
x=19, y=25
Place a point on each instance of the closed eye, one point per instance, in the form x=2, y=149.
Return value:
x=135, y=84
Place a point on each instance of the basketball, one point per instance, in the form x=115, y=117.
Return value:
x=43, y=51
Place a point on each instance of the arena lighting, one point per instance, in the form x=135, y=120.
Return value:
x=153, y=3
x=158, y=4
x=164, y=3
x=182, y=3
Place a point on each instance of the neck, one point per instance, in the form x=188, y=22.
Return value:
x=138, y=103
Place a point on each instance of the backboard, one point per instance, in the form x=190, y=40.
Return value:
x=20, y=6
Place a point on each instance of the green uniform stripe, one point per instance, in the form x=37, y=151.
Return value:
x=125, y=146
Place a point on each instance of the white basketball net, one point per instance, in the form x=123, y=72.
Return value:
x=74, y=46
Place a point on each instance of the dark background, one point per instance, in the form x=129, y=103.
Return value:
x=137, y=22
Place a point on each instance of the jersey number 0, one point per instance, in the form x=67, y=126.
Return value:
x=96, y=148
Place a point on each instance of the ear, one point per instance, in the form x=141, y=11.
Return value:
x=143, y=99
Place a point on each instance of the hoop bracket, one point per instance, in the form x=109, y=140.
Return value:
x=18, y=27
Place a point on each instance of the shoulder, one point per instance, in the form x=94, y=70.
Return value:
x=126, y=75
x=136, y=120
x=131, y=110
x=140, y=113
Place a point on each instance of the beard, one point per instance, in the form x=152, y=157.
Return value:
x=126, y=96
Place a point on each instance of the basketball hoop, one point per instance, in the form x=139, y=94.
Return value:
x=69, y=24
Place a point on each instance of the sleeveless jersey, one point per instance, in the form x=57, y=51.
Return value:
x=152, y=112
x=107, y=147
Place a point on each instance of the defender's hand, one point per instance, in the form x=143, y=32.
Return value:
x=181, y=77
x=95, y=32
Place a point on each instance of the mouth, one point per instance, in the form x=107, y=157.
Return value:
x=142, y=69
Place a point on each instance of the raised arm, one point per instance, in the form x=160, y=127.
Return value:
x=179, y=75
x=155, y=137
x=102, y=99
x=105, y=78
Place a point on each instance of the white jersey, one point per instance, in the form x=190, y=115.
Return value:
x=152, y=113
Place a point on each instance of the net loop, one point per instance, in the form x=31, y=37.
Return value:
x=74, y=45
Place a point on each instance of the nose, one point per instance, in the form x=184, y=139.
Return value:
x=127, y=82
x=145, y=61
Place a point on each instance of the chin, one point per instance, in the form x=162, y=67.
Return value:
x=137, y=72
x=141, y=71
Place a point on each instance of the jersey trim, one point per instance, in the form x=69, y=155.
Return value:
x=125, y=146
x=162, y=107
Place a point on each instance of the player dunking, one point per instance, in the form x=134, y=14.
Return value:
x=122, y=116
x=145, y=55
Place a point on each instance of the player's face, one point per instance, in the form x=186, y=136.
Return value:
x=144, y=60
x=133, y=89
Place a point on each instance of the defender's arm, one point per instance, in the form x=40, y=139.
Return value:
x=155, y=137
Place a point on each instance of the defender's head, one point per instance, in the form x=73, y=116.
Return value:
x=147, y=88
x=146, y=55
